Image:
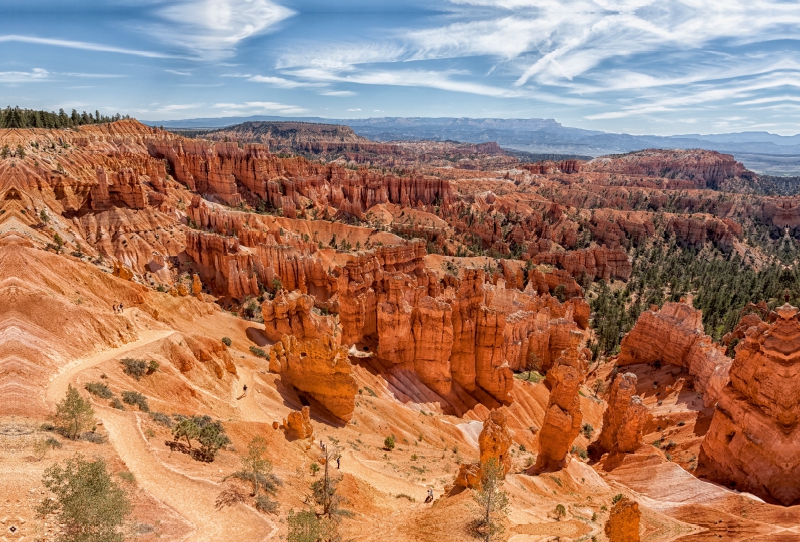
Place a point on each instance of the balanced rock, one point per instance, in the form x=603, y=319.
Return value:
x=494, y=443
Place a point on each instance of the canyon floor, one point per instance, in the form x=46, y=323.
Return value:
x=393, y=300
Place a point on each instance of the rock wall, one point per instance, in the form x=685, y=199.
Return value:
x=674, y=335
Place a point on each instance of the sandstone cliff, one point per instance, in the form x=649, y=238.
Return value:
x=674, y=335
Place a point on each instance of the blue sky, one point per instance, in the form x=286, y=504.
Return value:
x=636, y=66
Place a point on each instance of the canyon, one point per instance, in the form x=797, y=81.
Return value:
x=300, y=283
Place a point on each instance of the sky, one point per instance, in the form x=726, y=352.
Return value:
x=635, y=66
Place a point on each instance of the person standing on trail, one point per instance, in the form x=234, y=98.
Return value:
x=244, y=388
x=430, y=495
x=121, y=308
x=338, y=466
x=114, y=308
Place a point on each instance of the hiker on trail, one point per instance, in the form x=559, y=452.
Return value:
x=337, y=462
x=430, y=495
x=121, y=308
x=321, y=445
x=245, y=388
x=114, y=308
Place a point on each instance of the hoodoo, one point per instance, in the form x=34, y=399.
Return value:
x=754, y=439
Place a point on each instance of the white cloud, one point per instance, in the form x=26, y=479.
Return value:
x=338, y=93
x=256, y=107
x=36, y=75
x=280, y=82
x=215, y=27
x=356, y=109
x=86, y=46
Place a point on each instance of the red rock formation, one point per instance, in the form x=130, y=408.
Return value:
x=298, y=424
x=623, y=521
x=319, y=367
x=622, y=391
x=754, y=440
x=494, y=443
x=562, y=419
x=594, y=262
x=674, y=335
x=705, y=169
x=495, y=440
x=291, y=314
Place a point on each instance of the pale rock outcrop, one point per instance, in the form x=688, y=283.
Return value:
x=674, y=335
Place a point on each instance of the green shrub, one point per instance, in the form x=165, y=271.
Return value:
x=152, y=366
x=404, y=496
x=265, y=504
x=226, y=341
x=618, y=497
x=99, y=389
x=134, y=367
x=127, y=476
x=258, y=352
x=116, y=403
x=161, y=418
x=136, y=398
x=86, y=501
x=74, y=414
x=389, y=442
x=587, y=430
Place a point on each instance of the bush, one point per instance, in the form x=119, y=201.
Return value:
x=94, y=437
x=42, y=446
x=99, y=389
x=161, y=418
x=580, y=451
x=587, y=430
x=87, y=501
x=136, y=398
x=404, y=496
x=226, y=341
x=389, y=443
x=116, y=403
x=134, y=367
x=209, y=433
x=258, y=352
x=265, y=504
x=560, y=511
x=74, y=414
x=618, y=497
x=152, y=366
x=127, y=476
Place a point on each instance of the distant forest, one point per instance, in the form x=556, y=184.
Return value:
x=14, y=117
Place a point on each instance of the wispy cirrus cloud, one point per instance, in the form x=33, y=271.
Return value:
x=83, y=45
x=36, y=75
x=211, y=29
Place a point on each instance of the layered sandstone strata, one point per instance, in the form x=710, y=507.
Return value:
x=674, y=335
x=754, y=438
x=563, y=417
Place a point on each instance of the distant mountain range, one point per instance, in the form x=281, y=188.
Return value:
x=762, y=152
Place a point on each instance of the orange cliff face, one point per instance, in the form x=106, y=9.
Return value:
x=753, y=443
